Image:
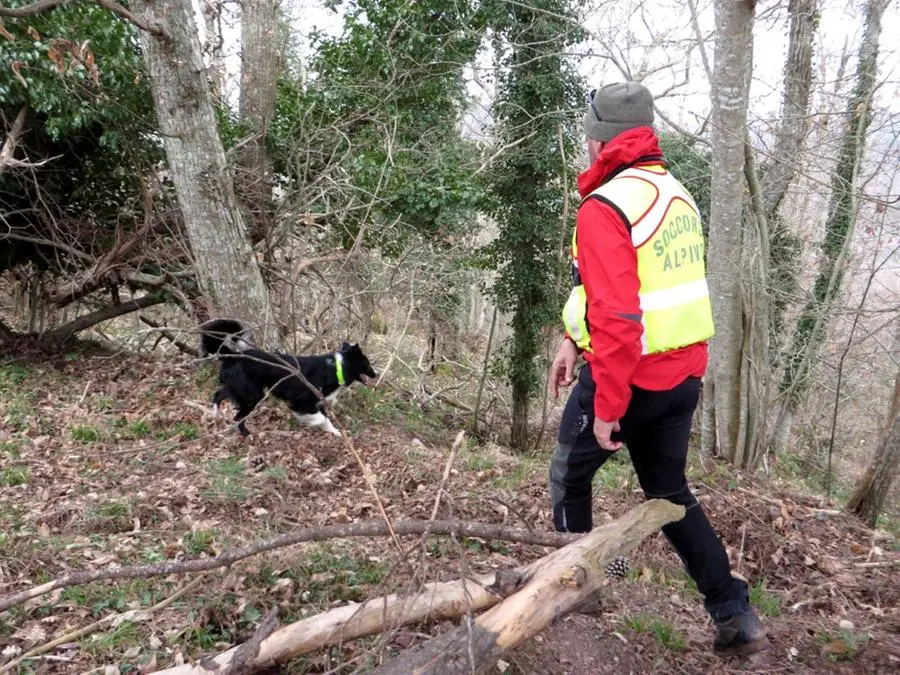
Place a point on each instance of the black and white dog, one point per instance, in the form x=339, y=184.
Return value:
x=247, y=374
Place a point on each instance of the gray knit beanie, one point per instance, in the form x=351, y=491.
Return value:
x=616, y=108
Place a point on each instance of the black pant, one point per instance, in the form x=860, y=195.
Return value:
x=655, y=429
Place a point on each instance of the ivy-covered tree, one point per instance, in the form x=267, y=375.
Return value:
x=811, y=326
x=536, y=134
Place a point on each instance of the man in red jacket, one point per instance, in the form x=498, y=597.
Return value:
x=639, y=313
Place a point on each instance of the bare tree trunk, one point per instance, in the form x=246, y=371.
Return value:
x=873, y=488
x=212, y=22
x=227, y=270
x=731, y=85
x=708, y=415
x=260, y=67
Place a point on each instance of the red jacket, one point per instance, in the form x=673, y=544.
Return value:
x=607, y=264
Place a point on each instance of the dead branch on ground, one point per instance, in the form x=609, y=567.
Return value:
x=368, y=528
x=110, y=620
x=535, y=595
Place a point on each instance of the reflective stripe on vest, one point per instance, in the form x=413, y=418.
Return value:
x=668, y=238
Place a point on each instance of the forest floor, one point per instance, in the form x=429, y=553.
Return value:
x=116, y=460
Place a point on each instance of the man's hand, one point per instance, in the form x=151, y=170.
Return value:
x=603, y=431
x=562, y=370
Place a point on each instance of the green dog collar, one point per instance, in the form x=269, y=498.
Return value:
x=339, y=368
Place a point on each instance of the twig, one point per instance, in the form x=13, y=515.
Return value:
x=366, y=528
x=370, y=483
x=183, y=346
x=453, y=450
x=87, y=630
x=883, y=563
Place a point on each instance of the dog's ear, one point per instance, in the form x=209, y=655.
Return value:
x=345, y=346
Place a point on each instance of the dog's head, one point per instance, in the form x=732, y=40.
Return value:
x=356, y=364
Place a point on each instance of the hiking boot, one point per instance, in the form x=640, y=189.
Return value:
x=740, y=635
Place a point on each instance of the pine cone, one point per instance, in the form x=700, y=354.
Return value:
x=258, y=463
x=617, y=568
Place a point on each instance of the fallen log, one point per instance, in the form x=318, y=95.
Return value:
x=550, y=587
x=555, y=586
x=444, y=600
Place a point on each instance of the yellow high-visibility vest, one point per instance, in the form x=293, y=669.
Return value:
x=668, y=237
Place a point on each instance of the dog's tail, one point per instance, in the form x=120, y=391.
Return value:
x=224, y=336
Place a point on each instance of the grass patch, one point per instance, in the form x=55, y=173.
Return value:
x=85, y=434
x=843, y=645
x=668, y=635
x=104, y=403
x=109, y=516
x=102, y=599
x=665, y=632
x=11, y=448
x=766, y=602
x=522, y=472
x=199, y=542
x=228, y=478
x=327, y=576
x=384, y=407
x=17, y=413
x=615, y=473
x=478, y=463
x=12, y=476
x=14, y=374
x=185, y=431
x=275, y=473
x=121, y=638
x=139, y=429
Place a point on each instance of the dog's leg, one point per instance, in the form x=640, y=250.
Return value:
x=317, y=420
x=220, y=395
x=240, y=417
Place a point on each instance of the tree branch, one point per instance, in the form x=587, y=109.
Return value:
x=66, y=331
x=43, y=5
x=7, y=161
x=368, y=528
x=33, y=8
x=12, y=139
x=116, y=8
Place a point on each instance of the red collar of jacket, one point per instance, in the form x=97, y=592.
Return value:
x=630, y=148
